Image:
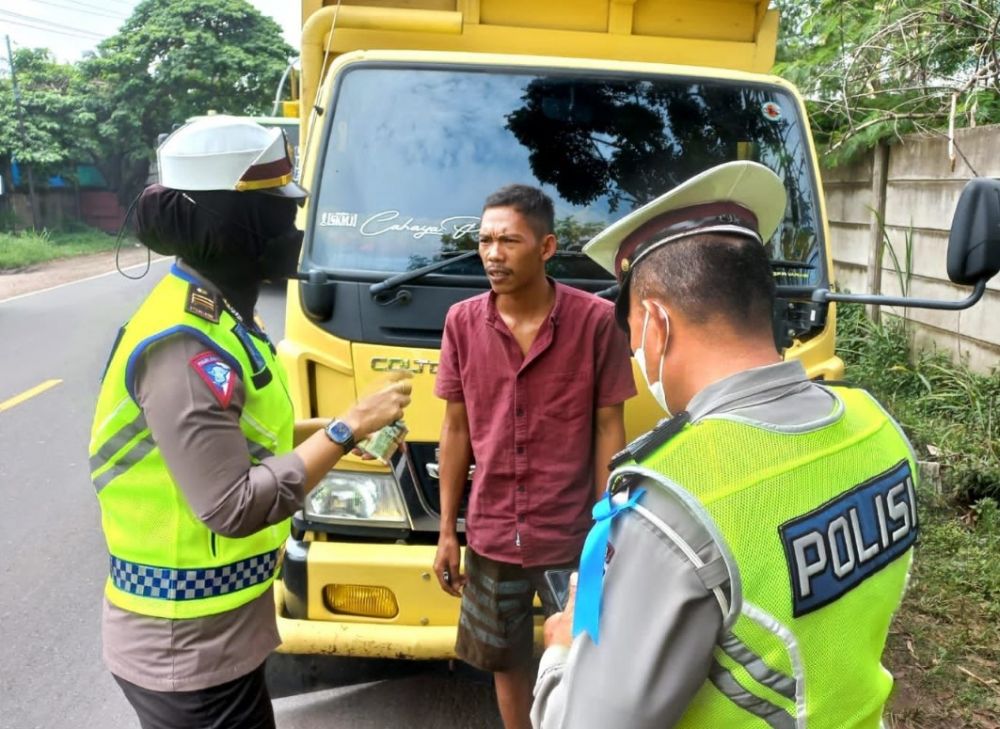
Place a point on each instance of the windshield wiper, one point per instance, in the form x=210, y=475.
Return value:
x=401, y=278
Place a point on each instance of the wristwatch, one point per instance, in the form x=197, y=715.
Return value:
x=340, y=433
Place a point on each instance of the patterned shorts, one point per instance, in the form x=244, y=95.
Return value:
x=496, y=625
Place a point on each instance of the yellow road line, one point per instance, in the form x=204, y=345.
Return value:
x=28, y=394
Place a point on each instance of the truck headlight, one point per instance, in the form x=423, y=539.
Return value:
x=352, y=497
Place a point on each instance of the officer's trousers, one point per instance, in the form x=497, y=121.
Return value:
x=242, y=703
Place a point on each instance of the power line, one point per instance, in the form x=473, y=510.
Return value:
x=53, y=30
x=81, y=8
x=46, y=29
x=45, y=24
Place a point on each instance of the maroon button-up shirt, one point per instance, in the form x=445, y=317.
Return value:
x=531, y=420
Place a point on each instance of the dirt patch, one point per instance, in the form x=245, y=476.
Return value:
x=67, y=270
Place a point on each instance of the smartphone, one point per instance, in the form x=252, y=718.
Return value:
x=558, y=582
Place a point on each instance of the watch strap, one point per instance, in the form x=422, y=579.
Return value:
x=341, y=433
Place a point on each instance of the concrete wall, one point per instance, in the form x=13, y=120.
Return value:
x=922, y=189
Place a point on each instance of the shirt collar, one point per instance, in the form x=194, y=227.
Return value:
x=747, y=388
x=493, y=316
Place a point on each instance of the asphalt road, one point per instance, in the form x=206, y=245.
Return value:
x=54, y=559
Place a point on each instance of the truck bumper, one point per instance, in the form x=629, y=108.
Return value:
x=369, y=640
x=423, y=629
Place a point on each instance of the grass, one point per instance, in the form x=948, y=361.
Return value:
x=20, y=250
x=944, y=646
x=951, y=413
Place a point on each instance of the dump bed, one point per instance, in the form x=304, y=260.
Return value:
x=733, y=34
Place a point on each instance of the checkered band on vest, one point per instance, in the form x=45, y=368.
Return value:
x=191, y=584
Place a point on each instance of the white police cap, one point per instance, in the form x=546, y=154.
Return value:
x=743, y=198
x=222, y=152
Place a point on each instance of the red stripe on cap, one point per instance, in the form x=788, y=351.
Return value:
x=672, y=222
x=267, y=170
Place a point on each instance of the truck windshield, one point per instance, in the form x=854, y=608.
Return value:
x=411, y=152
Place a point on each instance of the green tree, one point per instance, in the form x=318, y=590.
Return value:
x=58, y=129
x=874, y=71
x=173, y=59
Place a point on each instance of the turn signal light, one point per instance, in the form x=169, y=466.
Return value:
x=365, y=600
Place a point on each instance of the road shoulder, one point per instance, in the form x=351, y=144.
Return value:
x=67, y=270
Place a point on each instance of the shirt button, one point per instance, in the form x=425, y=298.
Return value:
x=520, y=450
x=520, y=518
x=520, y=487
x=520, y=412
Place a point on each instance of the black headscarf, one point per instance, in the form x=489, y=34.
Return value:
x=234, y=239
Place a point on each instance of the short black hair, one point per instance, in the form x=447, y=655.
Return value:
x=530, y=202
x=712, y=276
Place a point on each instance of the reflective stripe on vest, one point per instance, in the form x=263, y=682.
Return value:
x=162, y=583
x=755, y=666
x=141, y=449
x=724, y=680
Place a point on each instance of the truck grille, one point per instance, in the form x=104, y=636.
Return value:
x=420, y=479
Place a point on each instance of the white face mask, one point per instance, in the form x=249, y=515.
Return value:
x=655, y=388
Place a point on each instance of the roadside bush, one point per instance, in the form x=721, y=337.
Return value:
x=951, y=413
x=20, y=250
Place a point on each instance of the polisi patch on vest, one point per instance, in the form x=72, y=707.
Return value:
x=834, y=548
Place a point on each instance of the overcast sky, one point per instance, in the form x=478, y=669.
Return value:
x=70, y=27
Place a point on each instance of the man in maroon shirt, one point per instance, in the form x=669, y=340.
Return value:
x=535, y=375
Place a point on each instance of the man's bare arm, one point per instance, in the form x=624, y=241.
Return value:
x=454, y=460
x=609, y=439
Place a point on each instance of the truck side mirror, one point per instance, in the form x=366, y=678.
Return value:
x=973, y=252
x=974, y=241
x=318, y=293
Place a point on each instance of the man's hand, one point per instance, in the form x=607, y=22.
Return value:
x=381, y=408
x=448, y=564
x=559, y=627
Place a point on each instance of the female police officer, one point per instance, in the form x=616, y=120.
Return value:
x=191, y=447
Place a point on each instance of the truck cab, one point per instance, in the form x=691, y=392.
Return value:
x=411, y=114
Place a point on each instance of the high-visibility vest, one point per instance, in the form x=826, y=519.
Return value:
x=164, y=561
x=817, y=526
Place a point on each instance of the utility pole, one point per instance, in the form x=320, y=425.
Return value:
x=24, y=136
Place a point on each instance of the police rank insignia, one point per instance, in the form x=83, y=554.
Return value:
x=217, y=374
x=202, y=303
x=839, y=545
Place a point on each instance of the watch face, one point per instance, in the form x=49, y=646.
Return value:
x=339, y=432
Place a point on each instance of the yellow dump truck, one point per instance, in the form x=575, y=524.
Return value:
x=411, y=112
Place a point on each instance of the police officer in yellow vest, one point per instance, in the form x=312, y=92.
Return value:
x=745, y=566
x=191, y=449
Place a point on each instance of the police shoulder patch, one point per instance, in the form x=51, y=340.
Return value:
x=202, y=303
x=837, y=546
x=217, y=374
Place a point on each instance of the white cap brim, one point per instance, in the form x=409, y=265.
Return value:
x=748, y=184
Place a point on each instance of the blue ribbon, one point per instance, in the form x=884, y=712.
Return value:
x=590, y=583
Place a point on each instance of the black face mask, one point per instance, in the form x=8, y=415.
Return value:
x=279, y=256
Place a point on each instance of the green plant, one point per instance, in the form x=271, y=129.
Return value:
x=951, y=413
x=30, y=247
x=904, y=268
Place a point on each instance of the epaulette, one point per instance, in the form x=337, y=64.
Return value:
x=203, y=304
x=643, y=446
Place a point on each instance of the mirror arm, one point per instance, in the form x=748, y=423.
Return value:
x=824, y=295
x=314, y=277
